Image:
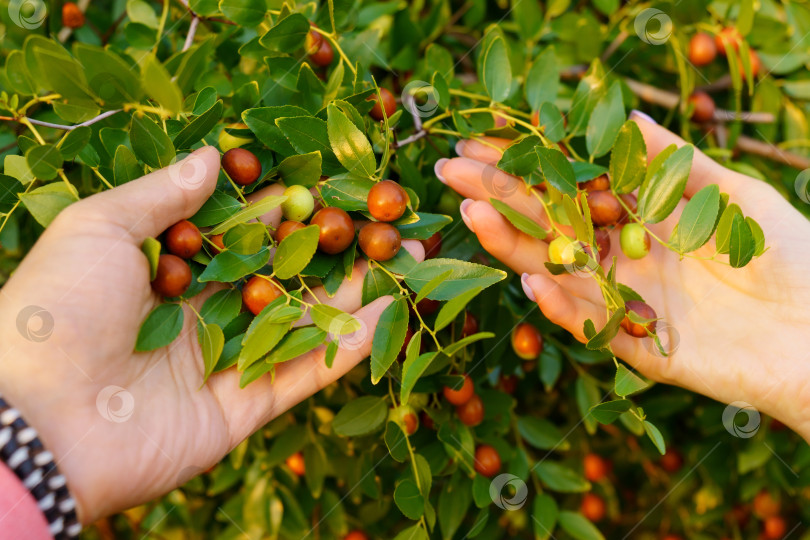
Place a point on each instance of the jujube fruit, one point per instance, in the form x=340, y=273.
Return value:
x=765, y=505
x=602, y=239
x=470, y=326
x=313, y=42
x=379, y=241
x=593, y=507
x=257, y=292
x=508, y=383
x=562, y=250
x=596, y=467
x=461, y=395
x=324, y=55
x=388, y=102
x=729, y=35
x=218, y=241
x=72, y=16
x=405, y=417
x=242, y=166
x=635, y=241
x=336, y=229
x=356, y=535
x=471, y=413
x=183, y=239
x=631, y=203
x=387, y=201
x=702, y=49
x=754, y=62
x=299, y=203
x=408, y=336
x=527, y=341
x=427, y=306
x=643, y=311
x=671, y=461
x=487, y=460
x=226, y=141
x=600, y=183
x=605, y=208
x=427, y=421
x=173, y=276
x=702, y=106
x=774, y=527
x=296, y=463
x=432, y=245
x=287, y=228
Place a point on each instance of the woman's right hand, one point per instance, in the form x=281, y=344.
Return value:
x=733, y=334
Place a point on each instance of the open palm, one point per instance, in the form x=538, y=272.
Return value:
x=732, y=334
x=127, y=427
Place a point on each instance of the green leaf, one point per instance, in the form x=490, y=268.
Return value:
x=221, y=307
x=412, y=369
x=296, y=343
x=520, y=221
x=315, y=470
x=395, y=441
x=73, y=141
x=759, y=236
x=199, y=127
x=553, y=122
x=697, y=220
x=212, y=341
x=216, y=209
x=125, y=166
x=151, y=248
x=451, y=309
x=542, y=434
x=150, y=143
x=408, y=499
x=246, y=238
x=301, y=169
x=432, y=284
x=454, y=500
x=520, y=158
x=248, y=13
x=415, y=532
x=660, y=194
x=557, y=170
x=361, y=416
x=250, y=212
x=349, y=144
x=308, y=134
x=262, y=335
x=389, y=337
x=464, y=276
x=603, y=338
x=723, y=238
x=295, y=252
x=589, y=91
x=496, y=72
x=110, y=77
x=377, y=283
x=161, y=327
x=628, y=159
x=578, y=526
x=558, y=477
x=287, y=35
x=627, y=382
x=349, y=193
x=9, y=188
x=742, y=246
x=453, y=348
x=423, y=229
x=333, y=320
x=17, y=167
x=587, y=395
x=161, y=87
x=262, y=122
x=44, y=161
x=229, y=266
x=45, y=203
x=608, y=411
x=655, y=436
x=544, y=515
x=543, y=80
x=605, y=121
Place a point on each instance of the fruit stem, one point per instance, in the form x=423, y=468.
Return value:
x=333, y=40
x=101, y=177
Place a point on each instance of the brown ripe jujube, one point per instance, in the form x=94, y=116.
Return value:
x=527, y=342
x=755, y=64
x=313, y=42
x=774, y=528
x=173, y=276
x=379, y=241
x=218, y=241
x=487, y=460
x=387, y=201
x=388, y=101
x=605, y=208
x=257, y=292
x=432, y=245
x=508, y=383
x=471, y=413
x=287, y=228
x=631, y=203
x=356, y=535
x=72, y=16
x=324, y=55
x=602, y=238
x=593, y=507
x=183, y=239
x=336, y=229
x=296, y=464
x=242, y=166
x=470, y=326
x=643, y=311
x=765, y=505
x=702, y=49
x=427, y=306
x=702, y=106
x=600, y=183
x=671, y=461
x=461, y=395
x=729, y=35
x=596, y=467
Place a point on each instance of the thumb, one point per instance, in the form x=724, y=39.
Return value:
x=151, y=204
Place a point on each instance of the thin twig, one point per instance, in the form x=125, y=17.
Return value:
x=90, y=122
x=766, y=150
x=192, y=29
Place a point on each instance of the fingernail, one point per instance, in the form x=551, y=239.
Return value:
x=460, y=147
x=465, y=204
x=437, y=169
x=634, y=114
x=526, y=289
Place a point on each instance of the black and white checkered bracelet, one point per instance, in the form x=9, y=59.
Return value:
x=23, y=453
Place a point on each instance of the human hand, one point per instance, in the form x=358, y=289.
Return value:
x=735, y=334
x=88, y=273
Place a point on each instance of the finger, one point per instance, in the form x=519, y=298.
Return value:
x=482, y=182
x=273, y=217
x=151, y=204
x=519, y=251
x=483, y=151
x=705, y=170
x=259, y=402
x=560, y=306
